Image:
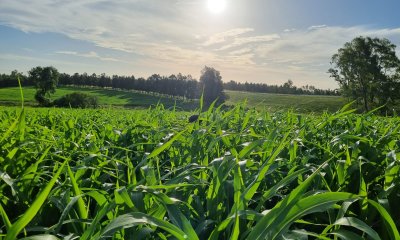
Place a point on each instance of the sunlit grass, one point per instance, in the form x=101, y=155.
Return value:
x=260, y=101
x=106, y=97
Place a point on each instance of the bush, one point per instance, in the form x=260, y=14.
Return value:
x=77, y=100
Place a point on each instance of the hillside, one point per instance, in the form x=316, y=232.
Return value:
x=106, y=97
x=132, y=99
x=276, y=102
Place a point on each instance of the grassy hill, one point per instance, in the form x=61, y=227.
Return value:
x=106, y=97
x=276, y=102
x=131, y=99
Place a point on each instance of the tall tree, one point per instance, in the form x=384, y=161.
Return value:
x=367, y=69
x=212, y=86
x=45, y=80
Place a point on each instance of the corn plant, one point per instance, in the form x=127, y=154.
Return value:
x=234, y=174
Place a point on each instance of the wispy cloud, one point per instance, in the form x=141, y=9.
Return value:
x=88, y=55
x=175, y=35
x=227, y=35
x=240, y=41
x=317, y=27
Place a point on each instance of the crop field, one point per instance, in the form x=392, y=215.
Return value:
x=236, y=174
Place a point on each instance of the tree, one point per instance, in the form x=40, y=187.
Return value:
x=367, y=70
x=212, y=86
x=45, y=80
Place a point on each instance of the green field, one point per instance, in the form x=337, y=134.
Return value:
x=126, y=99
x=278, y=102
x=239, y=174
x=106, y=97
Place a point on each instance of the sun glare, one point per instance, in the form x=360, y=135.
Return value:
x=216, y=6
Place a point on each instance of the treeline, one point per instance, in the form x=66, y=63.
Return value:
x=10, y=80
x=174, y=85
x=286, y=88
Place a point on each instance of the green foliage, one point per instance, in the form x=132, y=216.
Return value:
x=367, y=69
x=237, y=174
x=77, y=100
x=212, y=86
x=45, y=80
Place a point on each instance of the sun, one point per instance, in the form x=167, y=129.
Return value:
x=216, y=6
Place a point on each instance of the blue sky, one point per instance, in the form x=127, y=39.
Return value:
x=268, y=41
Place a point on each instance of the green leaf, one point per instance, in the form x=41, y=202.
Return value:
x=279, y=218
x=83, y=214
x=346, y=235
x=180, y=220
x=4, y=216
x=360, y=225
x=388, y=220
x=252, y=188
x=164, y=146
x=137, y=218
x=41, y=237
x=24, y=220
x=245, y=151
x=285, y=181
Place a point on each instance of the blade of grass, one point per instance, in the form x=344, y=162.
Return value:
x=285, y=215
x=82, y=210
x=4, y=216
x=29, y=214
x=388, y=220
x=137, y=218
x=180, y=220
x=360, y=225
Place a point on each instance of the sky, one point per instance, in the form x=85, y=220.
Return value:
x=262, y=41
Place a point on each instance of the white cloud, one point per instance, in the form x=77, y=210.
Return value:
x=174, y=36
x=91, y=54
x=287, y=30
x=227, y=35
x=317, y=27
x=240, y=41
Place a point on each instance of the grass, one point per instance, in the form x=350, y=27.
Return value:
x=237, y=174
x=106, y=97
x=126, y=99
x=278, y=102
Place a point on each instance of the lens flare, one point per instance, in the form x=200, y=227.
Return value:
x=216, y=6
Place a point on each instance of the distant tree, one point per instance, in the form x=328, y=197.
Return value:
x=367, y=69
x=45, y=80
x=212, y=86
x=77, y=100
x=286, y=88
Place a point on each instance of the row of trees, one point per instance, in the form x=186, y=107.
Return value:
x=46, y=80
x=10, y=80
x=175, y=85
x=286, y=88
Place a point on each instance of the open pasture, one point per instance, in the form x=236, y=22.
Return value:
x=131, y=99
x=282, y=102
x=106, y=97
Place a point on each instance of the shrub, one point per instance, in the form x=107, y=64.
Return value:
x=77, y=100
